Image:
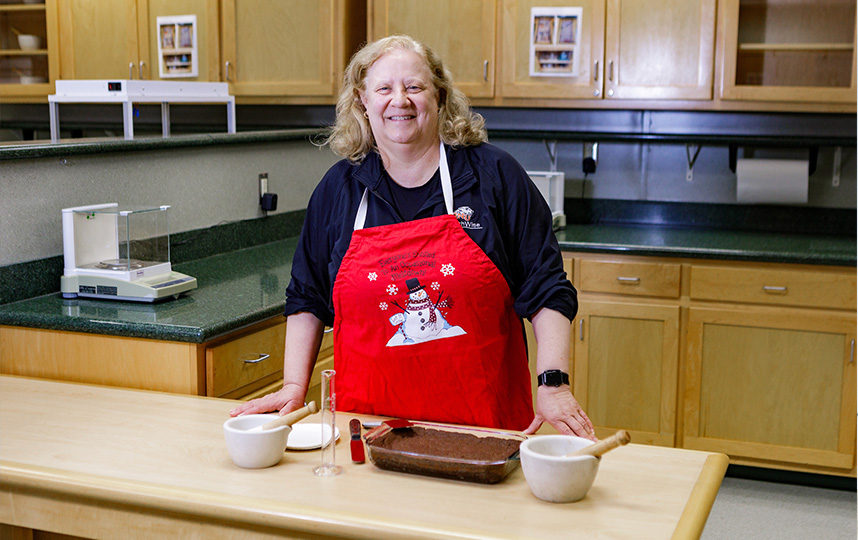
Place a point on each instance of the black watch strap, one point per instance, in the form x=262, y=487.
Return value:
x=552, y=377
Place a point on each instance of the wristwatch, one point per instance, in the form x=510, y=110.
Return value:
x=552, y=377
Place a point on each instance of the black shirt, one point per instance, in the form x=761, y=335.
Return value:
x=409, y=201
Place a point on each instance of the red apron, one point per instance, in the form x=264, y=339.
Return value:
x=425, y=328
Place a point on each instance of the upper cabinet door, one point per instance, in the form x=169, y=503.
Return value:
x=283, y=47
x=461, y=32
x=659, y=49
x=98, y=40
x=119, y=38
x=793, y=51
x=587, y=42
x=208, y=54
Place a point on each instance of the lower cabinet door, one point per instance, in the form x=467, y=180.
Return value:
x=772, y=384
x=625, y=376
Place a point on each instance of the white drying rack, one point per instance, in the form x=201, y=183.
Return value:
x=129, y=91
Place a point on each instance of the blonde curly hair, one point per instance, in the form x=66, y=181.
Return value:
x=351, y=136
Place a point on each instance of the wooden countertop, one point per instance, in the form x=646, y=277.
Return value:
x=98, y=461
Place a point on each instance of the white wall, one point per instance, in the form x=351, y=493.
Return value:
x=205, y=186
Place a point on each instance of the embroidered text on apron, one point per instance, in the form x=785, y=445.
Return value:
x=425, y=328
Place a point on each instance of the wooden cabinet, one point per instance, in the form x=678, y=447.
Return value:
x=768, y=385
x=28, y=73
x=626, y=344
x=325, y=360
x=795, y=51
x=754, y=360
x=246, y=363
x=462, y=32
x=275, y=49
x=119, y=39
x=771, y=364
x=644, y=49
x=230, y=366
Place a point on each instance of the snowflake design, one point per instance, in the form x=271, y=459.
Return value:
x=435, y=285
x=392, y=289
x=447, y=269
x=383, y=306
x=372, y=276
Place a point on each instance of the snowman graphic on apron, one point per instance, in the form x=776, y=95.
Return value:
x=421, y=320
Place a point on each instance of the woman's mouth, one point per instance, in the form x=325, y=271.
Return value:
x=401, y=117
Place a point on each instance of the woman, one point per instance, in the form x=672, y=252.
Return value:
x=423, y=249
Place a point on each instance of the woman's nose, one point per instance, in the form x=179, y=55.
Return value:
x=400, y=96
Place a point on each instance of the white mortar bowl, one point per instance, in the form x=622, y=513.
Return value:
x=29, y=42
x=553, y=477
x=258, y=449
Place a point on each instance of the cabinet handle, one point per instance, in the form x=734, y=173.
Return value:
x=774, y=290
x=581, y=330
x=596, y=71
x=259, y=358
x=852, y=352
x=486, y=70
x=227, y=65
x=629, y=280
x=328, y=330
x=130, y=70
x=611, y=71
x=140, y=69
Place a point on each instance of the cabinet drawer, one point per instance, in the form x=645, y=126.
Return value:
x=806, y=288
x=635, y=278
x=245, y=362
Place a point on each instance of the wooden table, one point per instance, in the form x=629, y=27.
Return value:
x=107, y=462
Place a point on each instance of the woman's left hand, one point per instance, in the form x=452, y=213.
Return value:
x=557, y=406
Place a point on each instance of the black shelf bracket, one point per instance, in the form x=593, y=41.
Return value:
x=813, y=157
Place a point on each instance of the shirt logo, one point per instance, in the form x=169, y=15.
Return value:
x=465, y=215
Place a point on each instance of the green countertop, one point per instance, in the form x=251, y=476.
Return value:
x=234, y=289
x=710, y=244
x=246, y=286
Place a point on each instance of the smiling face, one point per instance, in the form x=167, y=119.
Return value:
x=401, y=101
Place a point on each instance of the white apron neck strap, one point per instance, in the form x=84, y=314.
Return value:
x=446, y=188
x=446, y=183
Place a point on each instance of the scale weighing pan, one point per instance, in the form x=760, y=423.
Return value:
x=119, y=253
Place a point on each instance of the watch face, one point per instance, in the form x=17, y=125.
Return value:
x=553, y=377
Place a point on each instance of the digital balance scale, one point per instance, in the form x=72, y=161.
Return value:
x=119, y=254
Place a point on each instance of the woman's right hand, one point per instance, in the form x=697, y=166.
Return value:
x=285, y=400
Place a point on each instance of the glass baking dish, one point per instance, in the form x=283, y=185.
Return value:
x=444, y=461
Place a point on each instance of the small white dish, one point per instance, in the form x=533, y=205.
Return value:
x=29, y=42
x=309, y=437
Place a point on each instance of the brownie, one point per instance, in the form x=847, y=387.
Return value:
x=446, y=454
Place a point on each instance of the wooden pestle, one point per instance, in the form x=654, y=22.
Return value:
x=292, y=417
x=617, y=439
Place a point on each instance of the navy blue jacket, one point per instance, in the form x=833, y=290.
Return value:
x=510, y=221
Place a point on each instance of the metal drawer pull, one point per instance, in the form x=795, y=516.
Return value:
x=251, y=360
x=852, y=352
x=486, y=70
x=226, y=68
x=629, y=280
x=328, y=330
x=771, y=289
x=581, y=330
